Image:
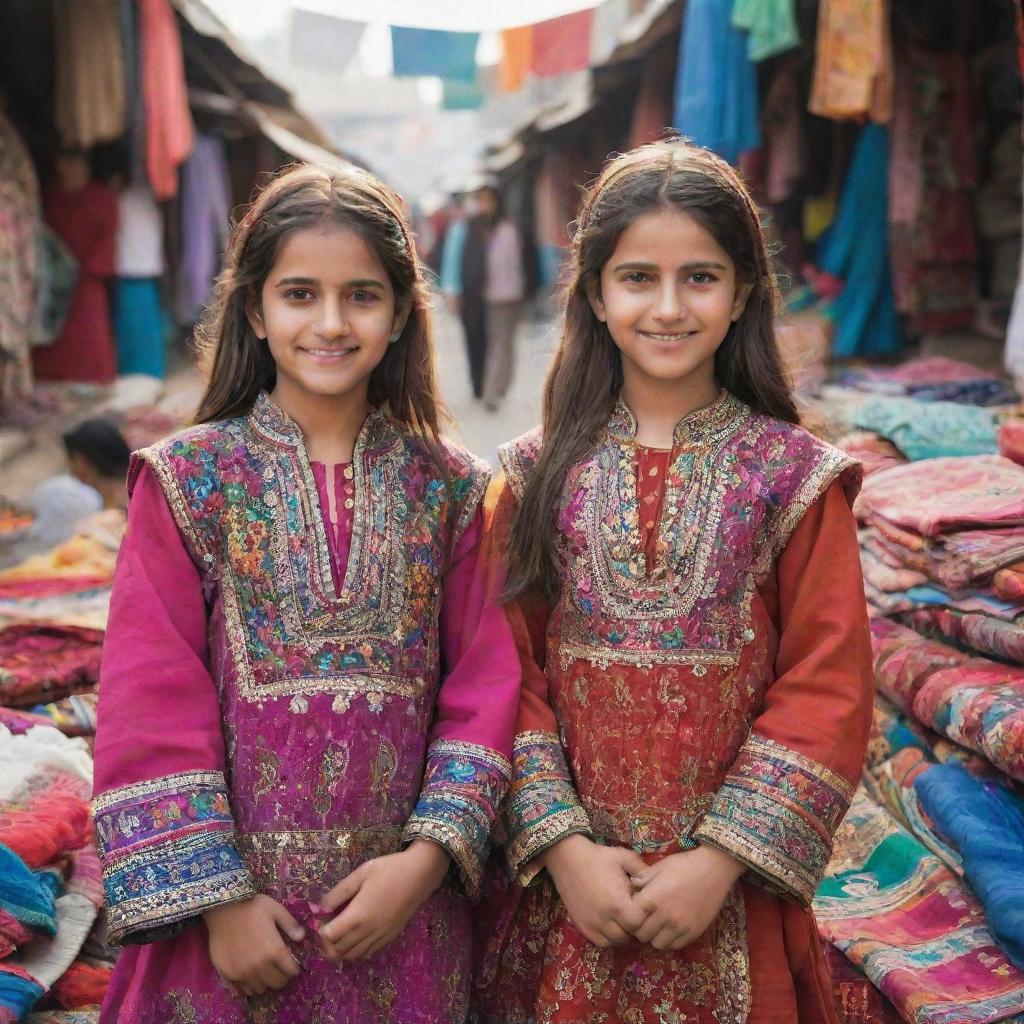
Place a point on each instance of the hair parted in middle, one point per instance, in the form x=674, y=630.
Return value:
x=239, y=364
x=585, y=377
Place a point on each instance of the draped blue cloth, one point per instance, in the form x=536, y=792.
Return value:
x=856, y=248
x=139, y=326
x=986, y=822
x=716, y=82
x=427, y=51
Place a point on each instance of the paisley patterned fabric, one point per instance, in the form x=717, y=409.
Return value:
x=643, y=720
x=284, y=729
x=916, y=931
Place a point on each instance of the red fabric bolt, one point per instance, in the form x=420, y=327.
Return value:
x=82, y=984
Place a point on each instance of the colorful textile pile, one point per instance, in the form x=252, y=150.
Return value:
x=925, y=894
x=932, y=379
x=50, y=887
x=912, y=926
x=43, y=663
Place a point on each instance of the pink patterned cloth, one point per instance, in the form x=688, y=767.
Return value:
x=937, y=496
x=904, y=660
x=980, y=705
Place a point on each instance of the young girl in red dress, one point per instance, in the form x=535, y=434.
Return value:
x=689, y=608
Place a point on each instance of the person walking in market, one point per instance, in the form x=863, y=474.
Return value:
x=483, y=275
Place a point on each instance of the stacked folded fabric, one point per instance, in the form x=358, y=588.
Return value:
x=925, y=894
x=933, y=379
x=50, y=885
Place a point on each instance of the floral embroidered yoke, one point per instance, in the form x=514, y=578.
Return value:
x=287, y=697
x=703, y=678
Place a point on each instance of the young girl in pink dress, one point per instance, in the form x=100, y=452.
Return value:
x=697, y=667
x=307, y=700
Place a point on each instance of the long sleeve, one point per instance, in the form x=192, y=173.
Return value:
x=468, y=759
x=451, y=258
x=791, y=784
x=543, y=806
x=163, y=818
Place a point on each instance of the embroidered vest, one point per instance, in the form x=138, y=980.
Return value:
x=655, y=676
x=245, y=500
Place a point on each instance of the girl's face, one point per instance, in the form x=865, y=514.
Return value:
x=668, y=295
x=327, y=311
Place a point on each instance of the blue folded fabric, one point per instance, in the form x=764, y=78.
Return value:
x=28, y=896
x=985, y=821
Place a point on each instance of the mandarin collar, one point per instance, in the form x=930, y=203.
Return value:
x=273, y=424
x=694, y=428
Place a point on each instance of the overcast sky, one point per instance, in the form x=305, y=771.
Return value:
x=251, y=18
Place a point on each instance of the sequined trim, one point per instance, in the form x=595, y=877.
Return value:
x=464, y=785
x=517, y=459
x=303, y=864
x=777, y=812
x=168, y=854
x=735, y=991
x=605, y=656
x=543, y=806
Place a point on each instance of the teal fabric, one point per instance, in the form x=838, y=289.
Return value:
x=771, y=24
x=928, y=430
x=139, y=326
x=856, y=249
x=426, y=51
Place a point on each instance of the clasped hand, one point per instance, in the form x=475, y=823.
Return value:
x=247, y=938
x=612, y=896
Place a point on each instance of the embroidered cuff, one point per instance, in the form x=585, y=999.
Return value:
x=463, y=787
x=543, y=806
x=777, y=812
x=168, y=854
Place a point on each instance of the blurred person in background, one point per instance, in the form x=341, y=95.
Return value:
x=482, y=273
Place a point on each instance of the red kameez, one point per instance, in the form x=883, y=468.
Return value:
x=759, y=760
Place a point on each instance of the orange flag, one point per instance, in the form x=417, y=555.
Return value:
x=516, y=48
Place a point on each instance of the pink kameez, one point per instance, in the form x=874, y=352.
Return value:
x=314, y=781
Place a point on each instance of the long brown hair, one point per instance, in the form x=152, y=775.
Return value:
x=239, y=365
x=585, y=376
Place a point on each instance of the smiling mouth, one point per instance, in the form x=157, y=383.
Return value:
x=331, y=354
x=667, y=336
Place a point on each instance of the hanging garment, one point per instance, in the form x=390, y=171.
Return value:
x=427, y=51
x=681, y=644
x=205, y=225
x=139, y=326
x=770, y=24
x=561, y=45
x=516, y=53
x=86, y=220
x=932, y=177
x=140, y=233
x=89, y=69
x=916, y=930
x=716, y=82
x=853, y=65
x=285, y=755
x=168, y=127
x=19, y=218
x=856, y=249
